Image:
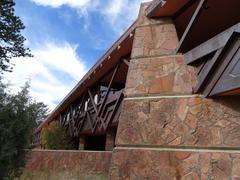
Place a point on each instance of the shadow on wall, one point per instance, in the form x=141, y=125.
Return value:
x=230, y=102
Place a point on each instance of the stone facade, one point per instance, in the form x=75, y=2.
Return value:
x=141, y=164
x=183, y=121
x=165, y=75
x=82, y=140
x=81, y=161
x=110, y=139
x=165, y=132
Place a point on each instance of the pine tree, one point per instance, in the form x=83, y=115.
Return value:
x=18, y=116
x=11, y=40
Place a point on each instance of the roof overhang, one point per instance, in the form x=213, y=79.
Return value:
x=121, y=48
x=165, y=8
x=196, y=21
x=208, y=20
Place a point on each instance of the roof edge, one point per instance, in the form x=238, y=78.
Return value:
x=104, y=57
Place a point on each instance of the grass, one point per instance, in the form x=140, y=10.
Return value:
x=45, y=174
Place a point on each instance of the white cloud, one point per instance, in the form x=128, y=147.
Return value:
x=57, y=3
x=118, y=13
x=45, y=84
x=61, y=57
x=52, y=59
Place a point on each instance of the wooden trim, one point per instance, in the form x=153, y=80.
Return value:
x=206, y=70
x=99, y=114
x=184, y=8
x=128, y=34
x=211, y=45
x=93, y=103
x=227, y=82
x=126, y=62
x=221, y=67
x=190, y=24
x=154, y=6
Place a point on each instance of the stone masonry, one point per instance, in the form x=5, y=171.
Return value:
x=82, y=140
x=76, y=161
x=165, y=131
x=110, y=139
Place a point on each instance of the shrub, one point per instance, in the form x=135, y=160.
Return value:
x=55, y=137
x=18, y=116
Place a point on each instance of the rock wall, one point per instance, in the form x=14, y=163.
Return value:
x=60, y=164
x=165, y=131
x=169, y=164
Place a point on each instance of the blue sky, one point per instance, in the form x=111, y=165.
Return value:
x=66, y=38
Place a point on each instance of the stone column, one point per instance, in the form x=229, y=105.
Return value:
x=166, y=132
x=81, y=142
x=110, y=139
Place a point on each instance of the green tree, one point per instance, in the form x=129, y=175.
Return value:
x=11, y=40
x=55, y=137
x=38, y=111
x=18, y=115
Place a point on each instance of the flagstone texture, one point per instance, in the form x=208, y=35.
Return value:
x=165, y=132
x=144, y=164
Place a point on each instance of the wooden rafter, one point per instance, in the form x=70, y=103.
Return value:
x=190, y=24
x=86, y=113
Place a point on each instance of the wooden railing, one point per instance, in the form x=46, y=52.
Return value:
x=92, y=115
x=96, y=110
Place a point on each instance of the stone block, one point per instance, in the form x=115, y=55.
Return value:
x=80, y=161
x=154, y=40
x=82, y=140
x=160, y=75
x=184, y=121
x=110, y=139
x=166, y=165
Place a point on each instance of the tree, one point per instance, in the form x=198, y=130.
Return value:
x=55, y=137
x=18, y=115
x=11, y=40
x=38, y=111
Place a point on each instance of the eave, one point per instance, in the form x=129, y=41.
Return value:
x=120, y=49
x=164, y=8
x=208, y=20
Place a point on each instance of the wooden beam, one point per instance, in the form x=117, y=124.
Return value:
x=221, y=67
x=207, y=69
x=93, y=103
x=116, y=106
x=108, y=89
x=190, y=24
x=211, y=45
x=126, y=62
x=90, y=122
x=229, y=80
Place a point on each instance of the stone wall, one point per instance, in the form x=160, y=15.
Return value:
x=155, y=164
x=184, y=121
x=165, y=131
x=70, y=163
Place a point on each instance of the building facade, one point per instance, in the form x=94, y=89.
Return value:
x=165, y=97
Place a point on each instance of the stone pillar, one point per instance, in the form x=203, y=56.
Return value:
x=165, y=132
x=110, y=139
x=81, y=142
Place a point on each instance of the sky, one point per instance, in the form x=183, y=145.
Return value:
x=66, y=38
